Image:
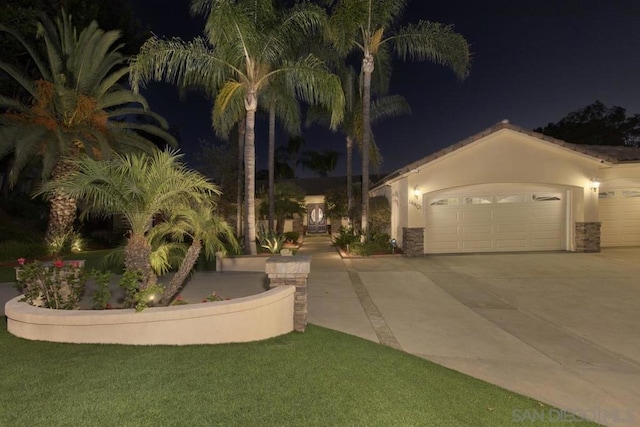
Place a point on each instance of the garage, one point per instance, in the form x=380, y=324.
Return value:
x=509, y=189
x=514, y=219
x=620, y=217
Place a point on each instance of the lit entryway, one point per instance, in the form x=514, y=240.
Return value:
x=525, y=220
x=620, y=217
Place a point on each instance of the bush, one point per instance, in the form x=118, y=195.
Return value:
x=375, y=243
x=346, y=238
x=379, y=214
x=292, y=236
x=57, y=286
x=270, y=240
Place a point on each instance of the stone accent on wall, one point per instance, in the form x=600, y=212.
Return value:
x=413, y=241
x=587, y=236
x=292, y=271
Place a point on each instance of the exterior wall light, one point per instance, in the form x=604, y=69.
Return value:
x=416, y=193
x=595, y=184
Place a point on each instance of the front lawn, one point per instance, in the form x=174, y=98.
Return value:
x=320, y=377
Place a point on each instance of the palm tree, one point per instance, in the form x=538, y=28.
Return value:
x=244, y=51
x=76, y=107
x=381, y=108
x=281, y=102
x=204, y=229
x=140, y=188
x=371, y=28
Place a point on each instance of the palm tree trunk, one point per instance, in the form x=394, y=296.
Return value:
x=349, y=176
x=251, y=104
x=137, y=258
x=367, y=68
x=272, y=153
x=62, y=211
x=241, y=125
x=181, y=275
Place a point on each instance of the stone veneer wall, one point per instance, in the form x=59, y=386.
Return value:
x=587, y=236
x=413, y=241
x=292, y=271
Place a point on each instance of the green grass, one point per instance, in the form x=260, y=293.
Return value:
x=317, y=378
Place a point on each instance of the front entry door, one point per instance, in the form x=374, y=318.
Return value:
x=316, y=219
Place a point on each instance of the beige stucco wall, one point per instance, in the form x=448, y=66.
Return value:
x=507, y=156
x=252, y=318
x=620, y=176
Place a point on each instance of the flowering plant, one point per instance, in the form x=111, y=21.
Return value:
x=56, y=285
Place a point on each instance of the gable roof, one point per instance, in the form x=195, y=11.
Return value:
x=605, y=153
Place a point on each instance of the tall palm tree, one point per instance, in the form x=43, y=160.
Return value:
x=281, y=103
x=383, y=107
x=140, y=188
x=75, y=107
x=371, y=27
x=204, y=229
x=243, y=52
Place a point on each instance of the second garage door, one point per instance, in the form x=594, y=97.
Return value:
x=510, y=222
x=620, y=217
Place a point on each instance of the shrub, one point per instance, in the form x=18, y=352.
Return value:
x=270, y=240
x=102, y=295
x=57, y=286
x=346, y=238
x=379, y=214
x=292, y=236
x=375, y=243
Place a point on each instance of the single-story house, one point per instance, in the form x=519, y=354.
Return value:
x=508, y=189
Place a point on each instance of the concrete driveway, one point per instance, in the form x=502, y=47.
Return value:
x=563, y=328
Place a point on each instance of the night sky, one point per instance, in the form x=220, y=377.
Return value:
x=534, y=61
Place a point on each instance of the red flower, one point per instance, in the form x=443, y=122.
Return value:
x=179, y=298
x=21, y=261
x=74, y=264
x=58, y=263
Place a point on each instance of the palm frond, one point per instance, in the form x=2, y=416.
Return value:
x=434, y=42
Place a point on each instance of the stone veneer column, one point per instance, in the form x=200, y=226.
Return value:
x=413, y=241
x=588, y=236
x=292, y=271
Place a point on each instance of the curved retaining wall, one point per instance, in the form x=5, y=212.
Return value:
x=252, y=318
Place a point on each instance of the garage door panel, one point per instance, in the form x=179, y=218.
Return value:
x=476, y=216
x=474, y=229
x=510, y=228
x=524, y=223
x=510, y=244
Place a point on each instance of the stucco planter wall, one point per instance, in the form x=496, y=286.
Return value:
x=241, y=262
x=252, y=318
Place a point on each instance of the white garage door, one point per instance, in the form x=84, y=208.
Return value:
x=620, y=217
x=518, y=221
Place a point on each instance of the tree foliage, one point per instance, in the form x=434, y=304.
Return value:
x=372, y=29
x=288, y=201
x=241, y=55
x=596, y=124
x=321, y=162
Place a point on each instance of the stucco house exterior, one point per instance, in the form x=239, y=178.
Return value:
x=508, y=189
